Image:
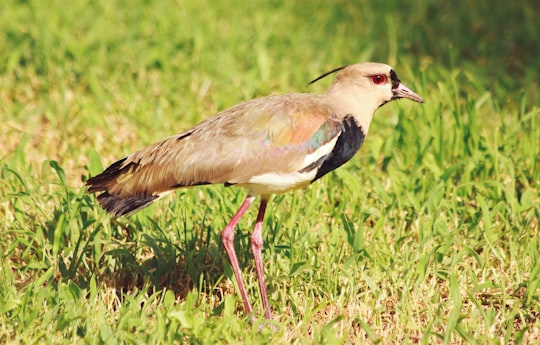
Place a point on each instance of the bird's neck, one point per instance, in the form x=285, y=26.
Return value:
x=362, y=109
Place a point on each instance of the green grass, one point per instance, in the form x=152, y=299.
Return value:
x=429, y=235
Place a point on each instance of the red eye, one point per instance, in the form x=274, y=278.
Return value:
x=379, y=79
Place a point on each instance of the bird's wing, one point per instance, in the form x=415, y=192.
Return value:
x=269, y=135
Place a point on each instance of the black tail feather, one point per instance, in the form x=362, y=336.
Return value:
x=119, y=206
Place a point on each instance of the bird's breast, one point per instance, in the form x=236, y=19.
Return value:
x=347, y=144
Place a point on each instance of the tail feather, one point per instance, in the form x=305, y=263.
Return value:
x=114, y=203
x=120, y=206
x=100, y=182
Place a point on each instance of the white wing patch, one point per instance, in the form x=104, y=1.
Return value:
x=318, y=153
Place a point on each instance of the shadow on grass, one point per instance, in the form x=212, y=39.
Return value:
x=158, y=264
x=138, y=255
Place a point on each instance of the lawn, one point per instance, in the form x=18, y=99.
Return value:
x=428, y=235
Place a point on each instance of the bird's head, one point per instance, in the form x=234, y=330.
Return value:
x=362, y=88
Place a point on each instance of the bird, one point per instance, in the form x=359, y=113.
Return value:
x=267, y=145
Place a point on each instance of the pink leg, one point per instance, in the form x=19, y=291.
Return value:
x=256, y=247
x=227, y=237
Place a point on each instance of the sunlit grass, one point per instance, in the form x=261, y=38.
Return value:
x=429, y=235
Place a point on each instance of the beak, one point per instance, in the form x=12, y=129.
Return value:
x=401, y=91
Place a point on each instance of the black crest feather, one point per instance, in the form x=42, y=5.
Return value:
x=327, y=73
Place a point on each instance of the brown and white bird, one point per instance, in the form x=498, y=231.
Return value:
x=267, y=145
